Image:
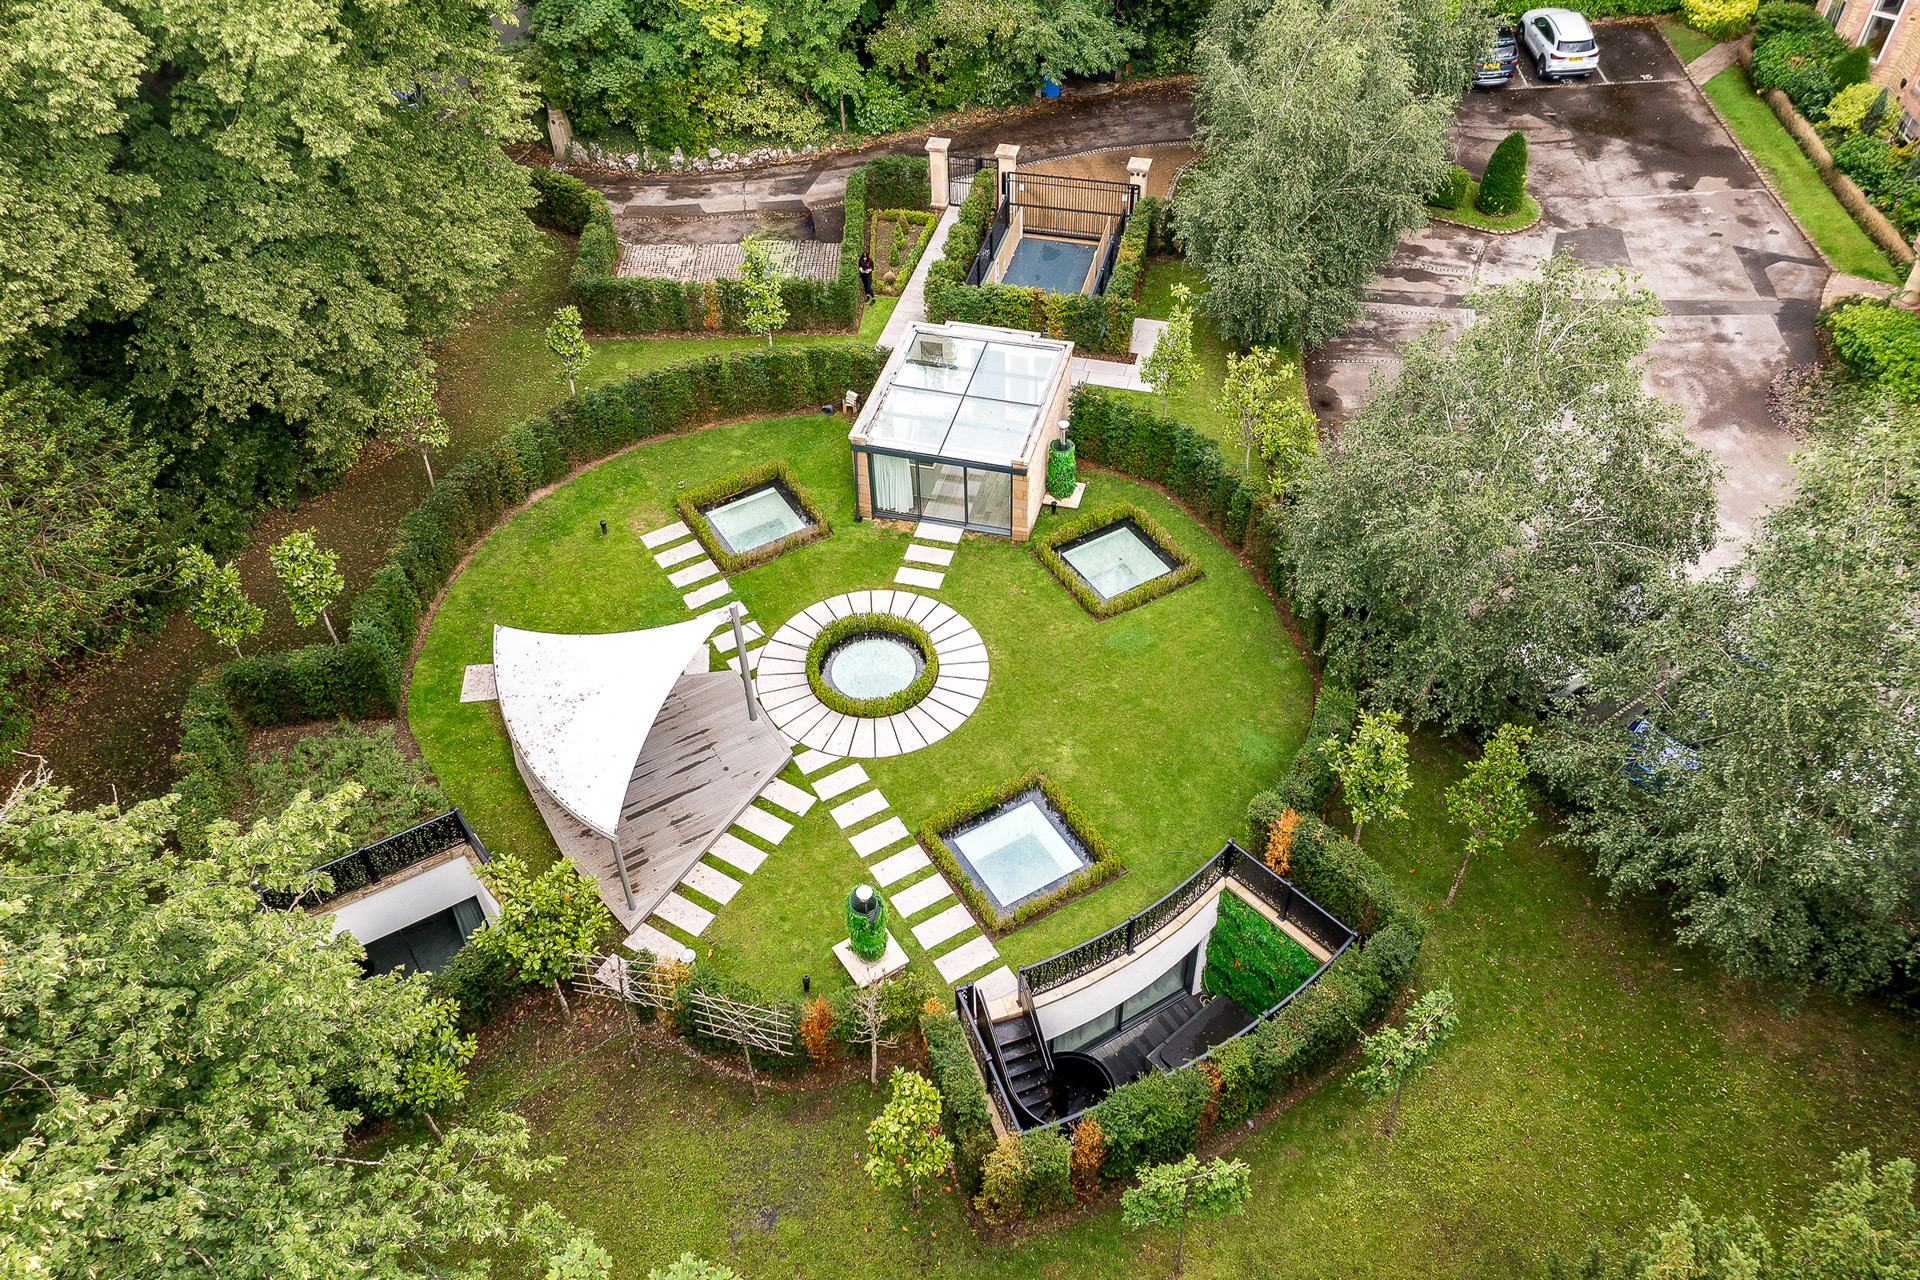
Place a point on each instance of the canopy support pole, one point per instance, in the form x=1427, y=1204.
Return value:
x=740, y=652
x=620, y=865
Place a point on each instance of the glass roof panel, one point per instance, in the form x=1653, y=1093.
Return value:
x=939, y=363
x=912, y=416
x=989, y=430
x=1008, y=372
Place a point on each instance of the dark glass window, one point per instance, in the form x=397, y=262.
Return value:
x=425, y=946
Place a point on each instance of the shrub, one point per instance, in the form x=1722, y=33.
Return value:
x=817, y=1030
x=1800, y=65
x=1151, y=1121
x=891, y=704
x=398, y=792
x=1871, y=163
x=1853, y=66
x=1721, y=19
x=1105, y=864
x=1046, y=547
x=1129, y=264
x=1088, y=1153
x=1503, y=187
x=481, y=980
x=703, y=977
x=1881, y=344
x=885, y=107
x=690, y=502
x=1391, y=955
x=1777, y=17
x=566, y=203
x=867, y=935
x=1848, y=111
x=963, y=1099
x=1026, y=1175
x=963, y=243
x=1452, y=191
x=1250, y=961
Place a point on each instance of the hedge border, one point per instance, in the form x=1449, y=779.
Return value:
x=871, y=708
x=1104, y=867
x=688, y=504
x=915, y=248
x=1046, y=547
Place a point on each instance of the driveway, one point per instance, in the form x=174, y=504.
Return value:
x=1634, y=170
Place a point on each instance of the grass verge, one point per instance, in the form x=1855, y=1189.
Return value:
x=1686, y=42
x=1470, y=216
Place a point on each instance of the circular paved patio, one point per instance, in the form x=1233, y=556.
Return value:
x=790, y=704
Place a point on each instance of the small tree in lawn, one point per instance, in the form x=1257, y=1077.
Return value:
x=1491, y=801
x=215, y=602
x=1372, y=766
x=904, y=1143
x=1171, y=367
x=863, y=1012
x=546, y=922
x=766, y=310
x=1251, y=397
x=569, y=346
x=1394, y=1053
x=309, y=576
x=1169, y=1194
x=1292, y=438
x=409, y=416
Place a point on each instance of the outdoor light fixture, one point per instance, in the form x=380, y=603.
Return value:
x=687, y=955
x=603, y=528
x=806, y=984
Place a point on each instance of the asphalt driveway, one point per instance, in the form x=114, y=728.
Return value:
x=1632, y=170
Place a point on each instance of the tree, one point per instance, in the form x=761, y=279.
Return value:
x=1171, y=367
x=1292, y=440
x=183, y=1069
x=1372, y=767
x=1394, y=1053
x=904, y=1143
x=78, y=530
x=1503, y=184
x=546, y=922
x=1169, y=1194
x=410, y=416
x=1320, y=149
x=569, y=346
x=1499, y=513
x=1251, y=397
x=689, y=1267
x=863, y=1012
x=308, y=576
x=1491, y=801
x=215, y=601
x=766, y=309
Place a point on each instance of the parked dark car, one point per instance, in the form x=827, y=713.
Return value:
x=1655, y=759
x=1497, y=66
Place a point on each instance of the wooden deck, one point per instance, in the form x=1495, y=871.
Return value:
x=703, y=763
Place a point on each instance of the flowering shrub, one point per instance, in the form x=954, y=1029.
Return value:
x=1721, y=19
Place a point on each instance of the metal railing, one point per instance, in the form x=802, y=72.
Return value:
x=1046, y=1050
x=1109, y=258
x=369, y=864
x=973, y=1012
x=961, y=171
x=989, y=245
x=1073, y=208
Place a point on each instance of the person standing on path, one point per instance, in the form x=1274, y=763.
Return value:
x=866, y=272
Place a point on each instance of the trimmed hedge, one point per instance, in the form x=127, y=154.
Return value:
x=363, y=677
x=1129, y=264
x=1105, y=865
x=963, y=1096
x=1026, y=1175
x=1133, y=438
x=1503, y=184
x=884, y=182
x=867, y=708
x=1452, y=192
x=1721, y=19
x=1045, y=547
x=566, y=203
x=1777, y=16
x=963, y=242
x=1880, y=344
x=688, y=504
x=1308, y=783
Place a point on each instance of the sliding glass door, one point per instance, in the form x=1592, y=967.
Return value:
x=948, y=492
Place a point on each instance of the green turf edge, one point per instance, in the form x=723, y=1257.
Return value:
x=1519, y=220
x=1687, y=43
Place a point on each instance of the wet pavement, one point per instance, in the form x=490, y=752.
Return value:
x=1632, y=170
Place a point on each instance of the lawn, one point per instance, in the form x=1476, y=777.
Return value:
x=1159, y=723
x=1686, y=42
x=1194, y=406
x=1469, y=215
x=1816, y=208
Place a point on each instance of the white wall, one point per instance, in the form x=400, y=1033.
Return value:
x=404, y=902
x=1084, y=1004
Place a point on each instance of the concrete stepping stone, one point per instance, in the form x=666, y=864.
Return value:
x=753, y=659
x=682, y=914
x=734, y=851
x=723, y=643
x=648, y=938
x=693, y=573
x=900, y=866
x=914, y=899
x=702, y=878
x=707, y=594
x=678, y=555
x=757, y=821
x=936, y=532
x=961, y=961
x=860, y=807
x=874, y=839
x=477, y=683
x=787, y=796
x=918, y=577
x=723, y=617
x=838, y=782
x=952, y=922
x=811, y=762
x=942, y=556
x=662, y=536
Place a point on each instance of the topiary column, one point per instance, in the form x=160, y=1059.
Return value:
x=867, y=923
x=1503, y=187
x=1060, y=469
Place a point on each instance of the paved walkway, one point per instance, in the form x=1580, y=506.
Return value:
x=810, y=259
x=1713, y=62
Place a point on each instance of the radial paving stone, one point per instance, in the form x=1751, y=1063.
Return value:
x=649, y=939
x=937, y=532
x=839, y=781
x=952, y=922
x=702, y=878
x=920, y=610
x=904, y=732
x=778, y=666
x=918, y=577
x=781, y=649
x=787, y=796
x=753, y=660
x=860, y=601
x=807, y=722
x=929, y=729
x=961, y=961
x=885, y=741
x=677, y=555
x=840, y=741
x=757, y=821
x=734, y=851
x=801, y=628
x=900, y=865
x=821, y=734
x=877, y=837
x=723, y=643
x=915, y=898
x=777, y=697
x=682, y=914
x=971, y=655
x=819, y=614
x=862, y=738
x=812, y=762
x=942, y=556
x=964, y=703
x=949, y=631
x=967, y=672
x=945, y=716
x=707, y=594
x=859, y=808
x=662, y=536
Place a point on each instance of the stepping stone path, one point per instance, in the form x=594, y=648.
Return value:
x=918, y=553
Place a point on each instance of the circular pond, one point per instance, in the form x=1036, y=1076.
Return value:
x=873, y=664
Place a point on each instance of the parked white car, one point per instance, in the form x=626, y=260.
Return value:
x=1561, y=43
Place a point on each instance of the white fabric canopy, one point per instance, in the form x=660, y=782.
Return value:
x=579, y=708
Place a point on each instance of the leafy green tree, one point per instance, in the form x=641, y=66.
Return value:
x=1171, y=367
x=1395, y=1053
x=689, y=1267
x=1372, y=767
x=1291, y=442
x=546, y=922
x=1320, y=148
x=904, y=1142
x=1169, y=1194
x=215, y=601
x=1491, y=801
x=409, y=415
x=569, y=346
x=177, y=1059
x=1255, y=387
x=78, y=530
x=766, y=309
x=1498, y=513
x=309, y=576
x=998, y=50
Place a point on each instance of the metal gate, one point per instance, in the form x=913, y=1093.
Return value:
x=1073, y=208
x=960, y=175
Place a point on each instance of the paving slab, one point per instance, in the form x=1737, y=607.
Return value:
x=734, y=851
x=920, y=609
x=662, y=536
x=693, y=573
x=757, y=821
x=840, y=741
x=942, y=556
x=858, y=808
x=812, y=762
x=909, y=737
x=702, y=878
x=937, y=532
x=787, y=796
x=918, y=577
x=950, y=923
x=723, y=643
x=477, y=683
x=839, y=781
x=867, y=972
x=753, y=659
x=874, y=839
x=649, y=939
x=678, y=555
x=707, y=594
x=900, y=865
x=961, y=961
x=915, y=898
x=862, y=738
x=682, y=914
x=885, y=741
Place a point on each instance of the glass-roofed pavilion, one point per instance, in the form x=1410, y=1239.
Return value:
x=957, y=427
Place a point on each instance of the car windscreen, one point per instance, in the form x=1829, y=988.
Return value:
x=1502, y=47
x=1576, y=46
